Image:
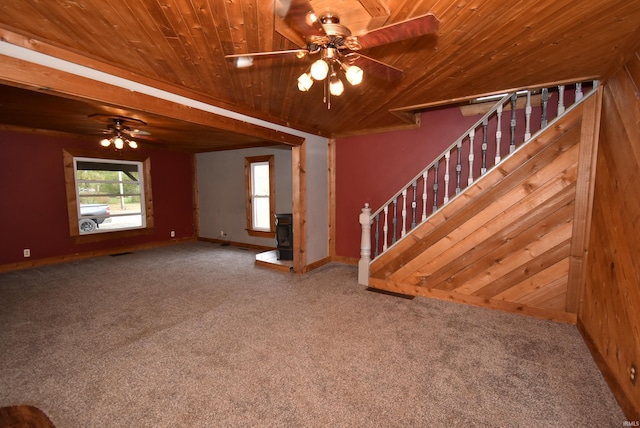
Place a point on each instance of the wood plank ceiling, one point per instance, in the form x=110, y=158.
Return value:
x=481, y=47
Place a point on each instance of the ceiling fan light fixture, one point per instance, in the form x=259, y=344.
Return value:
x=118, y=142
x=118, y=132
x=305, y=82
x=336, y=87
x=353, y=73
x=319, y=69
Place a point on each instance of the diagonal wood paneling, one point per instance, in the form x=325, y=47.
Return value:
x=506, y=241
x=609, y=317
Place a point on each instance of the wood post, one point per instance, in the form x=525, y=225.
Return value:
x=365, y=246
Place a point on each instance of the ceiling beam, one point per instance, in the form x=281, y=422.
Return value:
x=17, y=72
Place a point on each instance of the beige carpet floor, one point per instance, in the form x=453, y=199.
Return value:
x=193, y=335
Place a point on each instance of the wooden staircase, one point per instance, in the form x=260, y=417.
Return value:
x=514, y=240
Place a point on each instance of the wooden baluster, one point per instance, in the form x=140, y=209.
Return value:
x=365, y=246
x=377, y=235
x=404, y=213
x=498, y=134
x=561, y=107
x=447, y=157
x=579, y=93
x=394, y=222
x=424, y=194
x=545, y=103
x=435, y=187
x=385, y=229
x=472, y=136
x=514, y=101
x=485, y=125
x=414, y=205
x=527, y=112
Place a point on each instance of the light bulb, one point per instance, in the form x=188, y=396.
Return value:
x=354, y=74
x=133, y=144
x=105, y=143
x=336, y=87
x=319, y=69
x=118, y=142
x=305, y=82
x=244, y=61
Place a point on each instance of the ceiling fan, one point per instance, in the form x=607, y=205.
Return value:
x=337, y=48
x=120, y=130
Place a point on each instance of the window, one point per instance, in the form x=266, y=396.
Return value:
x=107, y=195
x=260, y=191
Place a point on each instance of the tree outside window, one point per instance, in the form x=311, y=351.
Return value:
x=107, y=196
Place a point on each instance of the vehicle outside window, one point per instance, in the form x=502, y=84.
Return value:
x=109, y=194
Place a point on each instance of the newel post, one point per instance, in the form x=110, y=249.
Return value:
x=365, y=246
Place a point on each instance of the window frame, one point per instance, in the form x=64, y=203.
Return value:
x=69, y=158
x=248, y=161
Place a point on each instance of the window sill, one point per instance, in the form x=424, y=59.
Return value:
x=261, y=233
x=105, y=236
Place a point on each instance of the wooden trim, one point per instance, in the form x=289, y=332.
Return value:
x=249, y=196
x=273, y=266
x=72, y=204
x=585, y=185
x=317, y=264
x=345, y=260
x=90, y=254
x=425, y=106
x=261, y=233
x=331, y=149
x=502, y=305
x=29, y=75
x=70, y=187
x=415, y=124
x=148, y=194
x=482, y=108
x=299, y=190
x=196, y=195
x=625, y=403
x=272, y=196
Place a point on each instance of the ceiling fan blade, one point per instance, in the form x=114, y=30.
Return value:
x=246, y=60
x=420, y=26
x=300, y=15
x=137, y=133
x=374, y=67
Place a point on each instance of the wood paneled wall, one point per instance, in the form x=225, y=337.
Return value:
x=609, y=316
x=506, y=242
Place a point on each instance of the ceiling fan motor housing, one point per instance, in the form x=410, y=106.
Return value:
x=337, y=35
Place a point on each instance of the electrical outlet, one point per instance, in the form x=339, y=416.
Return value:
x=173, y=233
x=27, y=252
x=633, y=374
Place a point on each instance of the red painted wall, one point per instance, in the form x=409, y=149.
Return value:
x=372, y=168
x=33, y=211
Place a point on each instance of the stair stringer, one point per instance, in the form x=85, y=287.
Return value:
x=505, y=241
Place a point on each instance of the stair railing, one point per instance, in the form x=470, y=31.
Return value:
x=481, y=148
